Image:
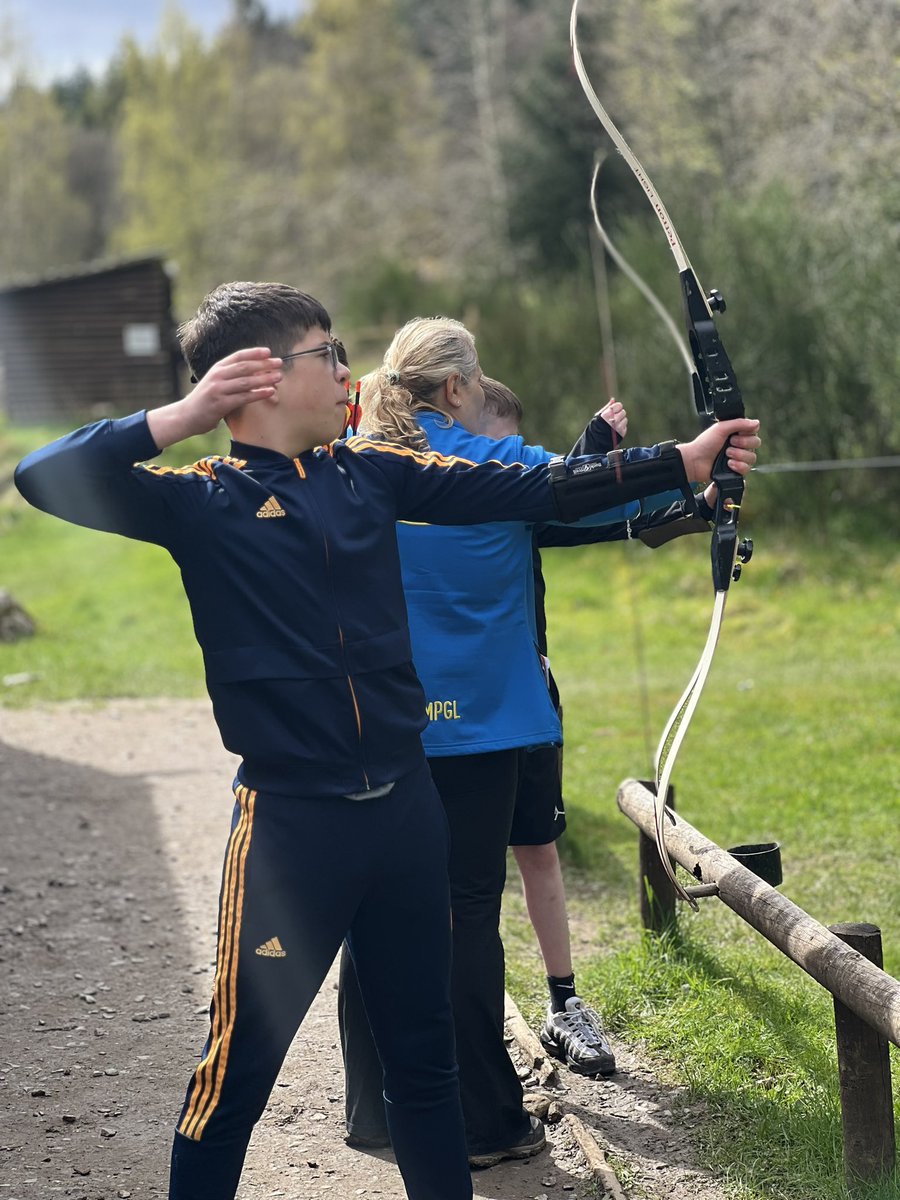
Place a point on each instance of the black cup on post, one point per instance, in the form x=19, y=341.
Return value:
x=763, y=859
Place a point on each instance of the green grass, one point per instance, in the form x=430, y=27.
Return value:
x=795, y=740
x=111, y=616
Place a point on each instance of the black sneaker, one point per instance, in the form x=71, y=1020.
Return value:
x=533, y=1143
x=576, y=1037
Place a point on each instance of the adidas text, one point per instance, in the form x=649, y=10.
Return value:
x=271, y=949
x=271, y=508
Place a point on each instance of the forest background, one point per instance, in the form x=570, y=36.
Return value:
x=404, y=157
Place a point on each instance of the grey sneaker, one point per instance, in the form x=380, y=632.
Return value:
x=576, y=1037
x=533, y=1143
x=361, y=1141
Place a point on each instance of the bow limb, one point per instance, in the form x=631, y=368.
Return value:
x=716, y=394
x=716, y=397
x=677, y=727
x=640, y=283
x=624, y=149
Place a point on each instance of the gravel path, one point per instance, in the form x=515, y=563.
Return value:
x=114, y=821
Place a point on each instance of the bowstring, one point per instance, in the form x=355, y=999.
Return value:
x=610, y=374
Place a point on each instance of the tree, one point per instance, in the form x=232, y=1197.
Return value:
x=175, y=148
x=307, y=170
x=550, y=157
x=806, y=95
x=43, y=224
x=373, y=175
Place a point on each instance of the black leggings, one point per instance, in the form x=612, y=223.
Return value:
x=478, y=792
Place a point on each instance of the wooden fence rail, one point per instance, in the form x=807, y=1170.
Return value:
x=858, y=985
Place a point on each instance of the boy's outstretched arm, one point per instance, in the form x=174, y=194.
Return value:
x=579, y=482
x=453, y=491
x=742, y=450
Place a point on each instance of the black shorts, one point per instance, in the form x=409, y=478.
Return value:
x=539, y=816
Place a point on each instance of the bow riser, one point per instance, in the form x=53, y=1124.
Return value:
x=724, y=547
x=721, y=398
x=718, y=398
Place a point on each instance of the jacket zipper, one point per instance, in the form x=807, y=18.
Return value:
x=302, y=473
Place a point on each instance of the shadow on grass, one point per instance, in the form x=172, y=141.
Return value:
x=770, y=1006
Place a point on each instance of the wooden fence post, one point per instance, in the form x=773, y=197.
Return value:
x=658, y=908
x=867, y=1111
x=843, y=971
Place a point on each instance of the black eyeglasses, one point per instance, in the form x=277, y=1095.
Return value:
x=332, y=347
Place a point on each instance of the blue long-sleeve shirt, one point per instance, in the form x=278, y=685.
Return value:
x=470, y=594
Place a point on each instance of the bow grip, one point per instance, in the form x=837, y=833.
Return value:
x=729, y=495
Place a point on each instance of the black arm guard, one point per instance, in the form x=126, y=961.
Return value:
x=581, y=488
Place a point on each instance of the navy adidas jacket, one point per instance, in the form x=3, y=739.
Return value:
x=292, y=572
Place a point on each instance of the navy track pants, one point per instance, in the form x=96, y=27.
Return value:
x=302, y=874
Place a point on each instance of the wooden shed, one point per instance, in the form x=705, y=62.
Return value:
x=92, y=342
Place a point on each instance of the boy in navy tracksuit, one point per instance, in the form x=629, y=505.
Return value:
x=289, y=560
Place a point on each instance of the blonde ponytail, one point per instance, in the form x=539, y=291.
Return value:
x=420, y=359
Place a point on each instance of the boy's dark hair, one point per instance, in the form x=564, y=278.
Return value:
x=236, y=316
x=500, y=400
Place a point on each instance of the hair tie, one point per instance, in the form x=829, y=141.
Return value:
x=393, y=378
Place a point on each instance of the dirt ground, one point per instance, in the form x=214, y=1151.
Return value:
x=114, y=822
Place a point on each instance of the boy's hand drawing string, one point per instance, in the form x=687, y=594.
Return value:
x=717, y=397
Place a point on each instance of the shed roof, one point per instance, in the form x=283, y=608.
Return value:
x=98, y=266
